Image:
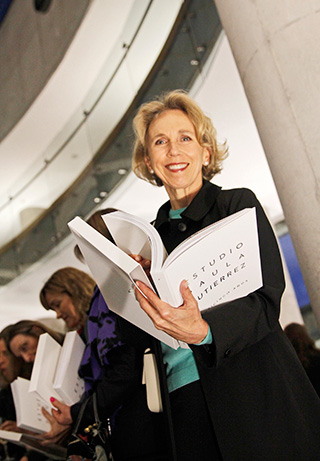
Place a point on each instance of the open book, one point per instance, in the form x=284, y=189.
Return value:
x=55, y=369
x=221, y=263
x=51, y=451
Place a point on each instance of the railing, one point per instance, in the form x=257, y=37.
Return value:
x=93, y=153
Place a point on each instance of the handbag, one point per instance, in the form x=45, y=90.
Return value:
x=94, y=444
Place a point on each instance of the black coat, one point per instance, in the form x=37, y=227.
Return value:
x=137, y=433
x=260, y=401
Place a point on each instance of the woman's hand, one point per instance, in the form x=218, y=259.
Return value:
x=144, y=263
x=184, y=323
x=58, y=430
x=61, y=412
x=10, y=426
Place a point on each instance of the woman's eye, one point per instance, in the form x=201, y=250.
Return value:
x=159, y=142
x=186, y=138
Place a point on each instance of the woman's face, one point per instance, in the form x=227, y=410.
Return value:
x=176, y=156
x=24, y=346
x=9, y=366
x=64, y=308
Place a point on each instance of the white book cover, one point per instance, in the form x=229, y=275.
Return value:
x=28, y=407
x=67, y=383
x=44, y=368
x=115, y=277
x=220, y=263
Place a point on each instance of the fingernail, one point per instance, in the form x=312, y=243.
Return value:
x=52, y=399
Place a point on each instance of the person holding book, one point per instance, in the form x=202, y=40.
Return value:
x=12, y=367
x=239, y=391
x=23, y=338
x=112, y=372
x=68, y=292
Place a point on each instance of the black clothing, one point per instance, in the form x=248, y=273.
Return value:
x=313, y=372
x=8, y=413
x=261, y=405
x=136, y=431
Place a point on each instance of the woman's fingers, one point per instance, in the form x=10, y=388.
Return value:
x=144, y=263
x=61, y=412
x=184, y=323
x=9, y=426
x=57, y=431
x=47, y=415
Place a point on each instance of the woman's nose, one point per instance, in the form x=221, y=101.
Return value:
x=27, y=358
x=173, y=148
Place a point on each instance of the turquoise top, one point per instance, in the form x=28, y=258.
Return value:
x=181, y=366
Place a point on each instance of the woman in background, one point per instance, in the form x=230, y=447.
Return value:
x=68, y=292
x=307, y=352
x=10, y=368
x=23, y=338
x=112, y=371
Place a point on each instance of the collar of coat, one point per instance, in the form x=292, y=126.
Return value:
x=197, y=209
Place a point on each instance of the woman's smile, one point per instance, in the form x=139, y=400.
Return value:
x=177, y=166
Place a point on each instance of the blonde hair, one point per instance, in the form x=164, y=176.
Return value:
x=204, y=129
x=75, y=283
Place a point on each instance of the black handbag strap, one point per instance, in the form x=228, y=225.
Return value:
x=80, y=416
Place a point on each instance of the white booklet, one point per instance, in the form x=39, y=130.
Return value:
x=28, y=407
x=44, y=368
x=67, y=383
x=52, y=451
x=55, y=369
x=220, y=263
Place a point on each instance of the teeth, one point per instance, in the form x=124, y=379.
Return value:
x=177, y=166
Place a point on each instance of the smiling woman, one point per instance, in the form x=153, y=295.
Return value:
x=239, y=384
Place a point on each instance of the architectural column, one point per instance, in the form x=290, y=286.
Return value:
x=276, y=48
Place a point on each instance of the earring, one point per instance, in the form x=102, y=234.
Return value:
x=151, y=171
x=206, y=163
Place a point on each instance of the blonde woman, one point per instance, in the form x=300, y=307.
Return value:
x=239, y=391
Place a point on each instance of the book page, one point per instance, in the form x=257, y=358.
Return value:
x=221, y=266
x=135, y=235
